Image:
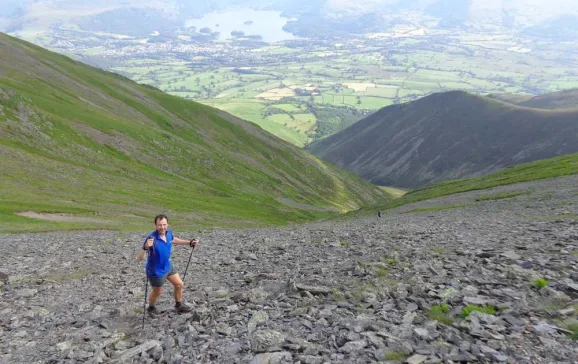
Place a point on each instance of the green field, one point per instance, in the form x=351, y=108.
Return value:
x=329, y=82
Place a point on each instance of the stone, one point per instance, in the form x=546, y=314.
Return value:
x=479, y=300
x=353, y=346
x=223, y=329
x=273, y=358
x=26, y=292
x=262, y=340
x=63, y=346
x=258, y=318
x=421, y=333
x=313, y=289
x=127, y=355
x=416, y=359
x=510, y=254
x=258, y=295
x=544, y=329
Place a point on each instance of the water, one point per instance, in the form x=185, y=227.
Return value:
x=268, y=24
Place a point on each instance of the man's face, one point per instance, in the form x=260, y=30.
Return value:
x=162, y=226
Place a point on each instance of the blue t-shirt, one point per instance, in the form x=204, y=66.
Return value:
x=158, y=262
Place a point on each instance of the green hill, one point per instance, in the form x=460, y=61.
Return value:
x=84, y=148
x=446, y=136
x=562, y=100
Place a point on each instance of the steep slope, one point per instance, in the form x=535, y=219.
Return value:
x=567, y=99
x=77, y=140
x=446, y=136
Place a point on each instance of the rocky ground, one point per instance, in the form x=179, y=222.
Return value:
x=343, y=291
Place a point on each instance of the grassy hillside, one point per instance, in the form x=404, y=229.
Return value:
x=542, y=169
x=448, y=136
x=561, y=100
x=86, y=148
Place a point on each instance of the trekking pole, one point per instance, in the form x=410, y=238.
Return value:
x=186, y=269
x=144, y=306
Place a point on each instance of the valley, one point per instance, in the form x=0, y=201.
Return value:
x=302, y=88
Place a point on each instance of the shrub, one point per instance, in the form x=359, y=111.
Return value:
x=540, y=283
x=484, y=309
x=439, y=313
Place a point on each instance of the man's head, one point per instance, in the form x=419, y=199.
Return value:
x=161, y=223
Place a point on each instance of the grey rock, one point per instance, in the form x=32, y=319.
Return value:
x=63, y=346
x=412, y=307
x=567, y=311
x=311, y=359
x=313, y=289
x=156, y=353
x=258, y=318
x=479, y=300
x=262, y=340
x=510, y=255
x=258, y=295
x=223, y=329
x=26, y=292
x=127, y=355
x=273, y=358
x=421, y=333
x=353, y=346
x=544, y=329
x=416, y=359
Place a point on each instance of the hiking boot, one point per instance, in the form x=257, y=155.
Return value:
x=152, y=311
x=183, y=307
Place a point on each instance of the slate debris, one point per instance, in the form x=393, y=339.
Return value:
x=338, y=291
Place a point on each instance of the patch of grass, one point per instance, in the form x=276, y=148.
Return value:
x=381, y=272
x=483, y=309
x=344, y=244
x=388, y=260
x=337, y=294
x=438, y=250
x=501, y=196
x=574, y=328
x=394, y=355
x=435, y=208
x=79, y=274
x=394, y=192
x=550, y=306
x=439, y=313
x=540, y=283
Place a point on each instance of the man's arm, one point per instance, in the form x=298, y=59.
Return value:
x=179, y=241
x=142, y=252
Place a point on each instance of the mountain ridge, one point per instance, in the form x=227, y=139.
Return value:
x=447, y=136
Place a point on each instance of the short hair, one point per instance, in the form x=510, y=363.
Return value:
x=160, y=217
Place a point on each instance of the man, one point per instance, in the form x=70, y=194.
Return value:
x=159, y=268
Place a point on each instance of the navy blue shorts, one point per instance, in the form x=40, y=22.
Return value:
x=160, y=281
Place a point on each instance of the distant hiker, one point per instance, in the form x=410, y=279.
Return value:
x=379, y=214
x=159, y=268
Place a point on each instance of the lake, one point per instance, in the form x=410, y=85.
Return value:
x=268, y=24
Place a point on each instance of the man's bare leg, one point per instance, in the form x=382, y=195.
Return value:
x=155, y=293
x=177, y=283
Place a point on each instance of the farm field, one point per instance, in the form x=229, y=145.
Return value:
x=305, y=90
